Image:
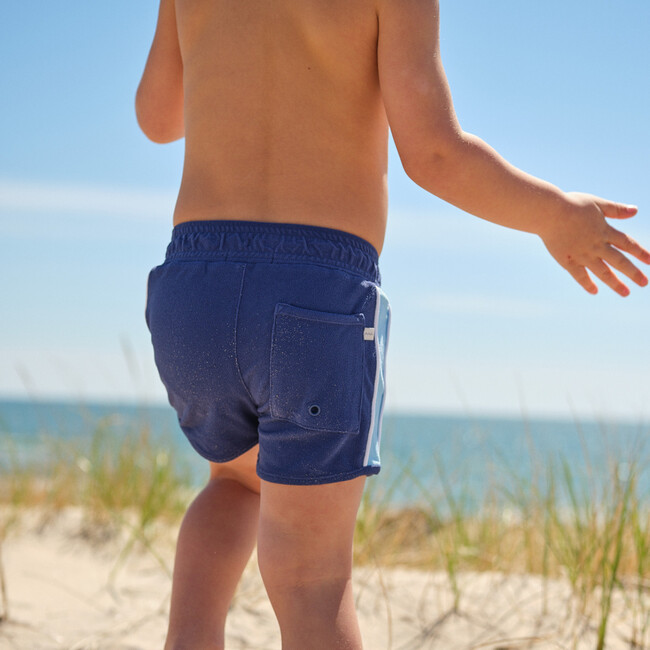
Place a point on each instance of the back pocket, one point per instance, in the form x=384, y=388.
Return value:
x=317, y=368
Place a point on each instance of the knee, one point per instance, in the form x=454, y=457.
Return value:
x=286, y=563
x=312, y=600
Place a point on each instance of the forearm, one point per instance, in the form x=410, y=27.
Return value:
x=471, y=175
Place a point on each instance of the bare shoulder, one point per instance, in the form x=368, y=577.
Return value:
x=409, y=29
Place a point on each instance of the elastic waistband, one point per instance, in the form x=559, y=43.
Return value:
x=254, y=241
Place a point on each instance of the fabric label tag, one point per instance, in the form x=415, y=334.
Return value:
x=368, y=333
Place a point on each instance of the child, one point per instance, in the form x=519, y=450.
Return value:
x=268, y=324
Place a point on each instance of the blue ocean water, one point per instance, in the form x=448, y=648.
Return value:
x=422, y=455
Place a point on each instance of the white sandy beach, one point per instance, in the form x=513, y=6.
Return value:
x=63, y=594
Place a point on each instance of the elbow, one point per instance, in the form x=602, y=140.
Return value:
x=160, y=136
x=423, y=168
x=432, y=163
x=158, y=130
x=160, y=125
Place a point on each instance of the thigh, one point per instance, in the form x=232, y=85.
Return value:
x=305, y=556
x=306, y=531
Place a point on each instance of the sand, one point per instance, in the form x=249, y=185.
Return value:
x=65, y=591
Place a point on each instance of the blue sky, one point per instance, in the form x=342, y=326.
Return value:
x=483, y=319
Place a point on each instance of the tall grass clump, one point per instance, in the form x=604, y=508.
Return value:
x=131, y=474
x=585, y=522
x=130, y=483
x=124, y=483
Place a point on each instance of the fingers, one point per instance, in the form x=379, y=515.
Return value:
x=627, y=244
x=614, y=210
x=604, y=273
x=616, y=259
x=589, y=245
x=580, y=275
x=613, y=257
x=601, y=269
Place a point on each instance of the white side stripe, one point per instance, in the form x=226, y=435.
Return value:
x=381, y=327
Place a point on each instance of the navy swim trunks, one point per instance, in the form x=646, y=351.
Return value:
x=273, y=334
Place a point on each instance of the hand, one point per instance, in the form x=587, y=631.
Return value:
x=581, y=240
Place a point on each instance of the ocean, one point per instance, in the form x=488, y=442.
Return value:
x=422, y=455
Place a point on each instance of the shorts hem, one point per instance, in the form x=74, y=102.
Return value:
x=369, y=470
x=226, y=459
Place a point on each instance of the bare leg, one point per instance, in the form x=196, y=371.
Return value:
x=305, y=556
x=215, y=542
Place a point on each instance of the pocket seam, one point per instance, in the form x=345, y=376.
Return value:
x=332, y=318
x=317, y=316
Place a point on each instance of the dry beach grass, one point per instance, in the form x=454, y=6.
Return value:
x=542, y=560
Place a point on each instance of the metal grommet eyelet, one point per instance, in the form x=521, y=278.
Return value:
x=314, y=410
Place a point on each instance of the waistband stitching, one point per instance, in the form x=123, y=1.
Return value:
x=372, y=273
x=281, y=229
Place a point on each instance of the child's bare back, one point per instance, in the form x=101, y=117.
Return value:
x=284, y=119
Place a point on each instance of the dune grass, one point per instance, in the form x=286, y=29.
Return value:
x=592, y=530
x=125, y=486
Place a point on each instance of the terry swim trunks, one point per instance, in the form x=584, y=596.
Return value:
x=273, y=334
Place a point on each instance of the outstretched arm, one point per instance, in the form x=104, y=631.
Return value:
x=159, y=99
x=463, y=170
